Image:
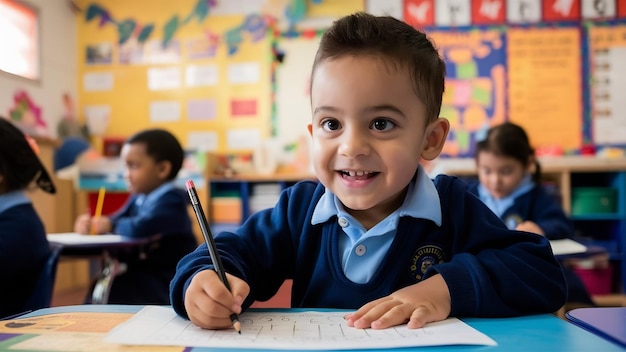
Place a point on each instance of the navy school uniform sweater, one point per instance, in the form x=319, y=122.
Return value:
x=540, y=207
x=490, y=271
x=23, y=251
x=150, y=271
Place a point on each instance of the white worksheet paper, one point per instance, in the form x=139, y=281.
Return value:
x=306, y=330
x=567, y=246
x=73, y=238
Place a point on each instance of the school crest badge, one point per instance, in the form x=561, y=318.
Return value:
x=424, y=258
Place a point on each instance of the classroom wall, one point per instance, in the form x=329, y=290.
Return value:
x=211, y=90
x=541, y=64
x=211, y=83
x=58, y=64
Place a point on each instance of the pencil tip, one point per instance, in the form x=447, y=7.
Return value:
x=237, y=327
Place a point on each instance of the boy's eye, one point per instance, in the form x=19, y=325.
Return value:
x=331, y=125
x=382, y=124
x=506, y=171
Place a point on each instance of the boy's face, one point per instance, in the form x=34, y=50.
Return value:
x=369, y=133
x=500, y=175
x=143, y=174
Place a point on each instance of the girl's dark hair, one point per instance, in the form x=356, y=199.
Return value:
x=19, y=165
x=161, y=145
x=396, y=42
x=510, y=140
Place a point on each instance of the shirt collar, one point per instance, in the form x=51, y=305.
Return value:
x=421, y=201
x=500, y=205
x=13, y=198
x=146, y=199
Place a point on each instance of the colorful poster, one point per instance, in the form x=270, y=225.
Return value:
x=607, y=64
x=488, y=11
x=545, y=85
x=243, y=107
x=419, y=13
x=453, y=13
x=557, y=10
x=523, y=11
x=475, y=85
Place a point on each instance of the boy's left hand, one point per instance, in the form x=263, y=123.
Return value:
x=418, y=304
x=530, y=226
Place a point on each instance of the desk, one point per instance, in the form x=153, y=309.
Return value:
x=607, y=322
x=531, y=333
x=104, y=248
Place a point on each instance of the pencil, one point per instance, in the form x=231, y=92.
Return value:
x=99, y=205
x=210, y=242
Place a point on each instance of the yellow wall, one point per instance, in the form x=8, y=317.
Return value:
x=130, y=98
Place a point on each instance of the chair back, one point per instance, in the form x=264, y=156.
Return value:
x=41, y=296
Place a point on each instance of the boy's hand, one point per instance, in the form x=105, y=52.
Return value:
x=418, y=304
x=100, y=225
x=530, y=226
x=208, y=302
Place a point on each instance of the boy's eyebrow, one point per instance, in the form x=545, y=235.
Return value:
x=325, y=108
x=384, y=107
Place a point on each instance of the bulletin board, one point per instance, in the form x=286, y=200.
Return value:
x=529, y=75
x=209, y=85
x=607, y=67
x=545, y=84
x=475, y=93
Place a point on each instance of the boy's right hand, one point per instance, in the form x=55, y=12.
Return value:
x=208, y=302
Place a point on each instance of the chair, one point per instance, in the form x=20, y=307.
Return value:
x=44, y=286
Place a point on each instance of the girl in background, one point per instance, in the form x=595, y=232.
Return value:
x=509, y=183
x=23, y=244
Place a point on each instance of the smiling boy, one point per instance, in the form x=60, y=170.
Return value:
x=375, y=233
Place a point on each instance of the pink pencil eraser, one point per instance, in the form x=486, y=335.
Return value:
x=190, y=184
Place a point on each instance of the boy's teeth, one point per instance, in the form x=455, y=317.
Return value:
x=356, y=173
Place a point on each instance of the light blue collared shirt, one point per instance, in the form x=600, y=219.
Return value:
x=145, y=200
x=363, y=250
x=499, y=206
x=13, y=198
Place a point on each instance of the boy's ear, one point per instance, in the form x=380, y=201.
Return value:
x=163, y=169
x=434, y=138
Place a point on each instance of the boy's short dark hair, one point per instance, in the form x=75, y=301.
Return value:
x=19, y=165
x=397, y=42
x=161, y=145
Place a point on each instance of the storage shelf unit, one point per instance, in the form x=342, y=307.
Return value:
x=607, y=230
x=234, y=199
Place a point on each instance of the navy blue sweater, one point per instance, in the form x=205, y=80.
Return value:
x=540, y=207
x=23, y=251
x=149, y=273
x=490, y=271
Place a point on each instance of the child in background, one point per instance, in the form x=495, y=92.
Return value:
x=23, y=244
x=156, y=207
x=375, y=233
x=509, y=183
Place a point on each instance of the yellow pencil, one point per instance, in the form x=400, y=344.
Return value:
x=98, y=212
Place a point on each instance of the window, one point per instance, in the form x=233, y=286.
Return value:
x=19, y=37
